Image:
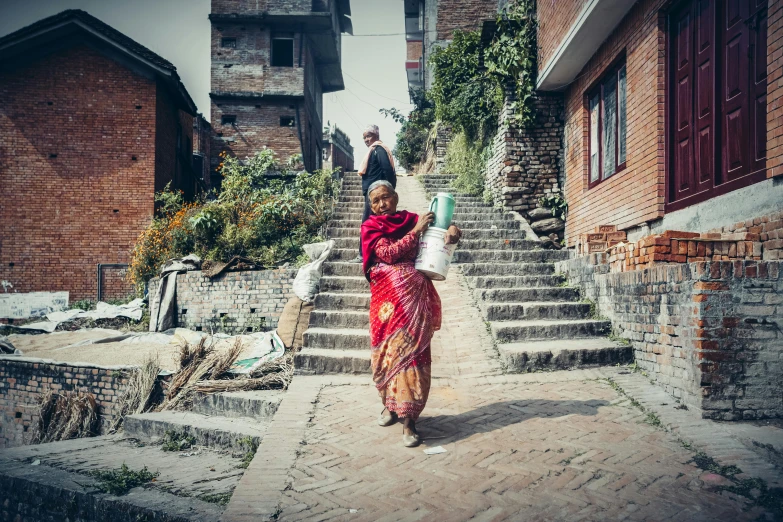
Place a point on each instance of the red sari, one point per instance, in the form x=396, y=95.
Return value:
x=405, y=312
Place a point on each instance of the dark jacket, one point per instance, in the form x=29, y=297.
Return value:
x=378, y=168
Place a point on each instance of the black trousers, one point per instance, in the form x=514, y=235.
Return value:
x=365, y=216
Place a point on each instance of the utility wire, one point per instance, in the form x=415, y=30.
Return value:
x=375, y=92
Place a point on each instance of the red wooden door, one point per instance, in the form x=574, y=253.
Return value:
x=717, y=54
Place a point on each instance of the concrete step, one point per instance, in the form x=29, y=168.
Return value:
x=336, y=301
x=347, y=215
x=491, y=233
x=466, y=204
x=563, y=354
x=346, y=242
x=340, y=319
x=477, y=214
x=314, y=361
x=508, y=256
x=522, y=295
x=344, y=254
x=343, y=269
x=208, y=430
x=336, y=232
x=543, y=329
x=512, y=281
x=499, y=224
x=339, y=284
x=337, y=338
x=257, y=404
x=481, y=243
x=532, y=268
x=534, y=310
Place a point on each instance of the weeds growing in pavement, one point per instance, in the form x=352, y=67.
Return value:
x=176, y=441
x=221, y=499
x=121, y=480
x=252, y=447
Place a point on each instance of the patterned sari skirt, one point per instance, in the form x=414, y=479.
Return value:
x=405, y=312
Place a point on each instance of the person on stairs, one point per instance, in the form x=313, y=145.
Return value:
x=377, y=165
x=405, y=308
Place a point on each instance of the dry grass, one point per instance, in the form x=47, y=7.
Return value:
x=276, y=374
x=140, y=393
x=64, y=416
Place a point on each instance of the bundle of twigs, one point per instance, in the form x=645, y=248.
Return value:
x=66, y=415
x=274, y=374
x=196, y=363
x=140, y=394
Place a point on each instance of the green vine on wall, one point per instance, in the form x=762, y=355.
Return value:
x=511, y=57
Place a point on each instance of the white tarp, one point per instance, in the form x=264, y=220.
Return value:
x=31, y=304
x=133, y=310
x=307, y=278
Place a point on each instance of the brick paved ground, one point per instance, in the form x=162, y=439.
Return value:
x=544, y=446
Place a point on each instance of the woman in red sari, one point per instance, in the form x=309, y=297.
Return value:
x=405, y=309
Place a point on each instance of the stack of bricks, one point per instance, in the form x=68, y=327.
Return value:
x=684, y=247
x=769, y=229
x=604, y=237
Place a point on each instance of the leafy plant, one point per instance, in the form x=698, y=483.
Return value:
x=175, y=441
x=120, y=481
x=467, y=161
x=511, y=57
x=415, y=135
x=263, y=212
x=465, y=96
x=556, y=203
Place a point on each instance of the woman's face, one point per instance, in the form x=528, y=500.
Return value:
x=383, y=201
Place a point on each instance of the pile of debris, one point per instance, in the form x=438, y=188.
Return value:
x=548, y=227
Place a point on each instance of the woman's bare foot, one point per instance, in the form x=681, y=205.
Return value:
x=410, y=437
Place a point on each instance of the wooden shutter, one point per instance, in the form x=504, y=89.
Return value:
x=735, y=90
x=758, y=86
x=704, y=90
x=683, y=184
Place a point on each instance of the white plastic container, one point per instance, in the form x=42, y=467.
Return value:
x=435, y=255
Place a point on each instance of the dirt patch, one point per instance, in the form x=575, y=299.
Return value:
x=64, y=347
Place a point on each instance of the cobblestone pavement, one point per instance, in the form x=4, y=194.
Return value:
x=548, y=446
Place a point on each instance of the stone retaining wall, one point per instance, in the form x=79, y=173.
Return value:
x=524, y=163
x=23, y=380
x=708, y=332
x=232, y=302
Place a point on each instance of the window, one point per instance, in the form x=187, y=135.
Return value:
x=282, y=52
x=717, y=93
x=287, y=121
x=228, y=119
x=606, y=105
x=231, y=43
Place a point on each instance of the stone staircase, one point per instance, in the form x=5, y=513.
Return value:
x=219, y=420
x=537, y=321
x=338, y=338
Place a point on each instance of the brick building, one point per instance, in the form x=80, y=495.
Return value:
x=431, y=23
x=91, y=125
x=672, y=133
x=272, y=61
x=202, y=140
x=672, y=111
x=338, y=151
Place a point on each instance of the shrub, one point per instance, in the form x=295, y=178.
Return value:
x=415, y=135
x=466, y=160
x=263, y=212
x=464, y=95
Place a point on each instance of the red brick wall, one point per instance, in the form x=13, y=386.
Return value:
x=775, y=89
x=62, y=215
x=635, y=195
x=413, y=50
x=258, y=126
x=341, y=159
x=23, y=381
x=462, y=15
x=555, y=18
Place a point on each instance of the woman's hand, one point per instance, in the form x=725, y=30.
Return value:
x=453, y=234
x=425, y=220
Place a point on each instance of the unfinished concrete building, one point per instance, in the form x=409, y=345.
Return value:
x=272, y=61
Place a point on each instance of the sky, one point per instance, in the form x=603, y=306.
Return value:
x=179, y=31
